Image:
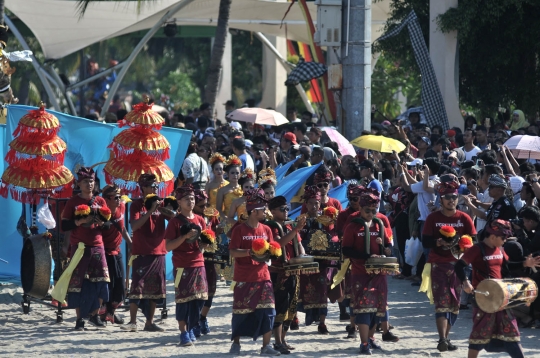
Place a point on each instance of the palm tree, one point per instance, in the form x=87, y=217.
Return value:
x=2, y=12
x=214, y=70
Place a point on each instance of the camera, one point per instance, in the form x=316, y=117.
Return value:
x=517, y=222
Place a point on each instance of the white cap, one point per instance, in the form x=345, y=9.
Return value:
x=416, y=161
x=516, y=183
x=248, y=142
x=236, y=125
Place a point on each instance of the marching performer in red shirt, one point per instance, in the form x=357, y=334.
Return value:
x=253, y=302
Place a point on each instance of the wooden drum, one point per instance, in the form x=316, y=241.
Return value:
x=382, y=265
x=494, y=295
x=304, y=265
x=36, y=265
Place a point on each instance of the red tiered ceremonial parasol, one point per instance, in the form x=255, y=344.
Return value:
x=36, y=160
x=138, y=150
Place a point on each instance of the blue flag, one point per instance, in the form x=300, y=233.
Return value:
x=289, y=186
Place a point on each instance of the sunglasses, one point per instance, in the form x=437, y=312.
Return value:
x=152, y=186
x=114, y=197
x=284, y=209
x=322, y=185
x=354, y=199
x=450, y=197
x=370, y=211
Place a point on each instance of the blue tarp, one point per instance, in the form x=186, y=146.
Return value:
x=87, y=143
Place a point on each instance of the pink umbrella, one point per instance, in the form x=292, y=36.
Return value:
x=258, y=115
x=524, y=146
x=345, y=148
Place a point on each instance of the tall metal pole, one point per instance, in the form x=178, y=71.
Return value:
x=356, y=57
x=35, y=63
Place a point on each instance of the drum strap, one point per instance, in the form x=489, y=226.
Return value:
x=367, y=236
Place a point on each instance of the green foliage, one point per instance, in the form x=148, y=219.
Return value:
x=499, y=51
x=178, y=85
x=388, y=79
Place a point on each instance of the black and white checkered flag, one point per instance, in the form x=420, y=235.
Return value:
x=305, y=71
x=432, y=99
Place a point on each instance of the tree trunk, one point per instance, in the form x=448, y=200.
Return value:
x=214, y=70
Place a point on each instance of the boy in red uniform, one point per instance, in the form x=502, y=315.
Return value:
x=322, y=181
x=442, y=230
x=497, y=331
x=191, y=288
x=253, y=302
x=358, y=245
x=113, y=233
x=88, y=283
x=285, y=287
x=201, y=203
x=147, y=256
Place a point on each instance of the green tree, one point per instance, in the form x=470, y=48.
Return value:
x=179, y=86
x=499, y=49
x=388, y=79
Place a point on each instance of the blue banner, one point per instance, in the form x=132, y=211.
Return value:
x=87, y=143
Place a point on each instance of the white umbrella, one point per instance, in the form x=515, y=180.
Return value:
x=524, y=146
x=258, y=115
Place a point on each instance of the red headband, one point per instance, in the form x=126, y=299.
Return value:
x=311, y=192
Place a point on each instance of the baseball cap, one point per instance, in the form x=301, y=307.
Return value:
x=427, y=140
x=236, y=125
x=416, y=161
x=291, y=137
x=248, y=143
x=450, y=133
x=516, y=183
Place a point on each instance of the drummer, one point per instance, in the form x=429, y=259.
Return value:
x=190, y=285
x=201, y=203
x=442, y=230
x=322, y=180
x=285, y=287
x=113, y=233
x=253, y=317
x=487, y=260
x=88, y=284
x=367, y=304
x=313, y=288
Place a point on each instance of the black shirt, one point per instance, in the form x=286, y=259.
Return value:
x=501, y=209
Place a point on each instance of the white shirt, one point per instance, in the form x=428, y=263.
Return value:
x=246, y=158
x=424, y=197
x=472, y=153
x=486, y=199
x=195, y=167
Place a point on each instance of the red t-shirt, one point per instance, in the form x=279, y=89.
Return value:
x=461, y=222
x=331, y=202
x=149, y=238
x=494, y=260
x=245, y=269
x=289, y=248
x=90, y=236
x=354, y=236
x=342, y=220
x=185, y=255
x=112, y=238
x=387, y=229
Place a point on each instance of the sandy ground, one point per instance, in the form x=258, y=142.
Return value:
x=38, y=334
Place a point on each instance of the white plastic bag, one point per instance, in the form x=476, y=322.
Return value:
x=413, y=251
x=45, y=217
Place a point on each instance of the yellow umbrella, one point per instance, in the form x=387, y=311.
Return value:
x=378, y=143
